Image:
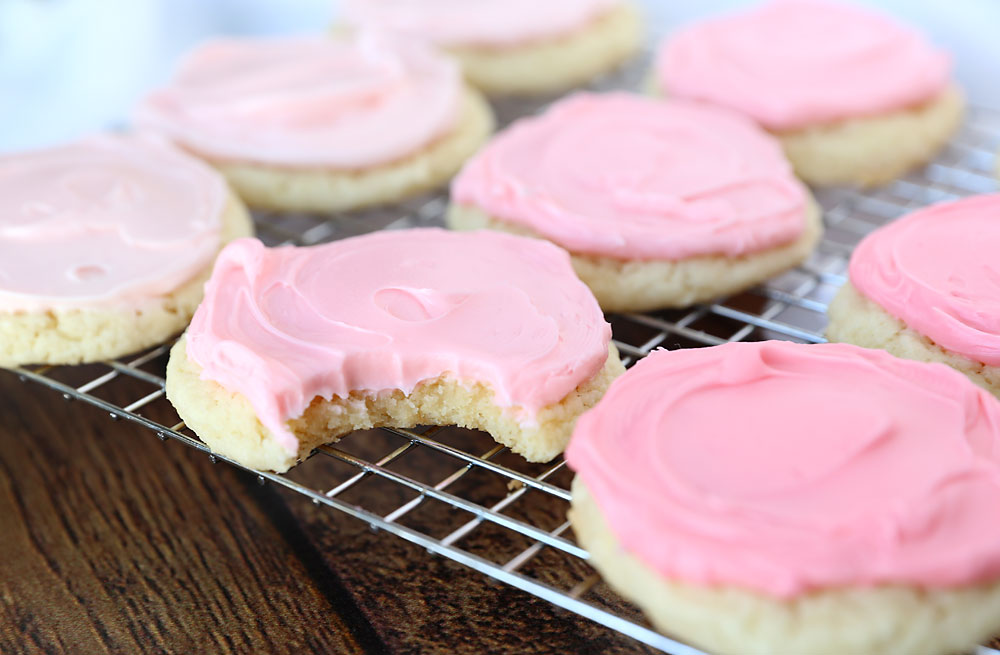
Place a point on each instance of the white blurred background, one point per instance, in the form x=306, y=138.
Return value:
x=68, y=67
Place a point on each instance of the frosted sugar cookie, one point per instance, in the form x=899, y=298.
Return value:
x=295, y=347
x=927, y=287
x=660, y=203
x=314, y=124
x=854, y=97
x=785, y=498
x=515, y=46
x=105, y=244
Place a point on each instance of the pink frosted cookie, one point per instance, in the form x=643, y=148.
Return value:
x=660, y=203
x=817, y=498
x=105, y=244
x=927, y=287
x=295, y=347
x=855, y=97
x=514, y=46
x=317, y=124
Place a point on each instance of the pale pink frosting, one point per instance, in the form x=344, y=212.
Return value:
x=105, y=221
x=308, y=101
x=937, y=271
x=479, y=22
x=392, y=309
x=784, y=468
x=631, y=177
x=794, y=63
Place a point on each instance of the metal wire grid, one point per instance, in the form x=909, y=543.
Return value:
x=495, y=513
x=791, y=307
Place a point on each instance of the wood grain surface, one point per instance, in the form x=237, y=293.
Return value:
x=115, y=542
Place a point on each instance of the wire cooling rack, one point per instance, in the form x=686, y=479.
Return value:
x=494, y=512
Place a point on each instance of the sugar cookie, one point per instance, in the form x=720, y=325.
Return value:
x=854, y=97
x=315, y=124
x=925, y=287
x=105, y=244
x=785, y=498
x=295, y=347
x=660, y=203
x=515, y=46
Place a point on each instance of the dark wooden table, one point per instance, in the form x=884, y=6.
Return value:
x=116, y=542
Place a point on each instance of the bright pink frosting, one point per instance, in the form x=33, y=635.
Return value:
x=107, y=220
x=478, y=22
x=936, y=270
x=793, y=63
x=632, y=177
x=392, y=309
x=308, y=101
x=784, y=468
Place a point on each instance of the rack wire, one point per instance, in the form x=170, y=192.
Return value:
x=494, y=512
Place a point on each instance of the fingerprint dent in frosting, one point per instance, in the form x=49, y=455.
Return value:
x=785, y=468
x=936, y=270
x=393, y=309
x=308, y=101
x=793, y=63
x=480, y=23
x=109, y=220
x=630, y=177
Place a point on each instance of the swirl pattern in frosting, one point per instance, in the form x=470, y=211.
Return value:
x=936, y=271
x=390, y=310
x=307, y=101
x=794, y=63
x=479, y=23
x=630, y=177
x=783, y=468
x=109, y=220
